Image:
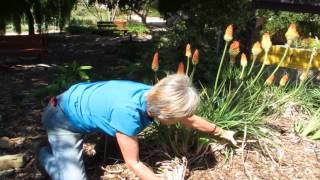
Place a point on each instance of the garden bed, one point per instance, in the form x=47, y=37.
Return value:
x=295, y=158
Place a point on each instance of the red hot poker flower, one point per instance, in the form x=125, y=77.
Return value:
x=256, y=49
x=304, y=75
x=228, y=35
x=155, y=62
x=284, y=80
x=234, y=50
x=195, y=57
x=292, y=33
x=180, y=68
x=243, y=60
x=188, y=50
x=270, y=79
x=266, y=42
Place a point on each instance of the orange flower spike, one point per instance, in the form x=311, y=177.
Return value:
x=256, y=49
x=270, y=79
x=195, y=57
x=180, y=68
x=266, y=42
x=234, y=50
x=284, y=80
x=155, y=62
x=188, y=50
x=292, y=33
x=228, y=35
x=243, y=60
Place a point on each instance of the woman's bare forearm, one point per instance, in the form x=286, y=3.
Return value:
x=201, y=124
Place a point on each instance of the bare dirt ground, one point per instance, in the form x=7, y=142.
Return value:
x=294, y=158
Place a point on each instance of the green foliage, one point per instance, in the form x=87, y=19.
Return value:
x=311, y=128
x=107, y=13
x=308, y=43
x=66, y=77
x=276, y=22
x=139, y=7
x=207, y=18
x=137, y=28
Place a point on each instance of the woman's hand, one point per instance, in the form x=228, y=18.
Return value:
x=130, y=151
x=227, y=135
x=201, y=124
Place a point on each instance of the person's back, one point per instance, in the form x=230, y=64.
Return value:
x=103, y=106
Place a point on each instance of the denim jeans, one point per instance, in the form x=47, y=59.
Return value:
x=63, y=159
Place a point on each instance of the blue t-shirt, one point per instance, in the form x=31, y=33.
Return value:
x=107, y=106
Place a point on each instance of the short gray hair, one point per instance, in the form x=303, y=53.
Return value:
x=172, y=98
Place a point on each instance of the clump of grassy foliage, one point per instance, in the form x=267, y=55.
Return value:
x=239, y=99
x=66, y=76
x=137, y=28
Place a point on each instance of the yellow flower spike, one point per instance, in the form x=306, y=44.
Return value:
x=188, y=50
x=180, y=68
x=244, y=63
x=195, y=57
x=228, y=35
x=155, y=62
x=243, y=60
x=256, y=49
x=292, y=33
x=270, y=80
x=234, y=50
x=266, y=42
x=284, y=80
x=303, y=76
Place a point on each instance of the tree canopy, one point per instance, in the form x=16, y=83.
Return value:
x=42, y=12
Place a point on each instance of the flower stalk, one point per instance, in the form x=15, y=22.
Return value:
x=291, y=35
x=228, y=35
x=282, y=58
x=266, y=45
x=305, y=73
x=188, y=55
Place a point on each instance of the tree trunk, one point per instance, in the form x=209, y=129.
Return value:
x=142, y=15
x=144, y=19
x=30, y=20
x=2, y=27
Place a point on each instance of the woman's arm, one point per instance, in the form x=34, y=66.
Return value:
x=130, y=151
x=201, y=124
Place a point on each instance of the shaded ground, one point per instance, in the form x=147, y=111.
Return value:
x=20, y=121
